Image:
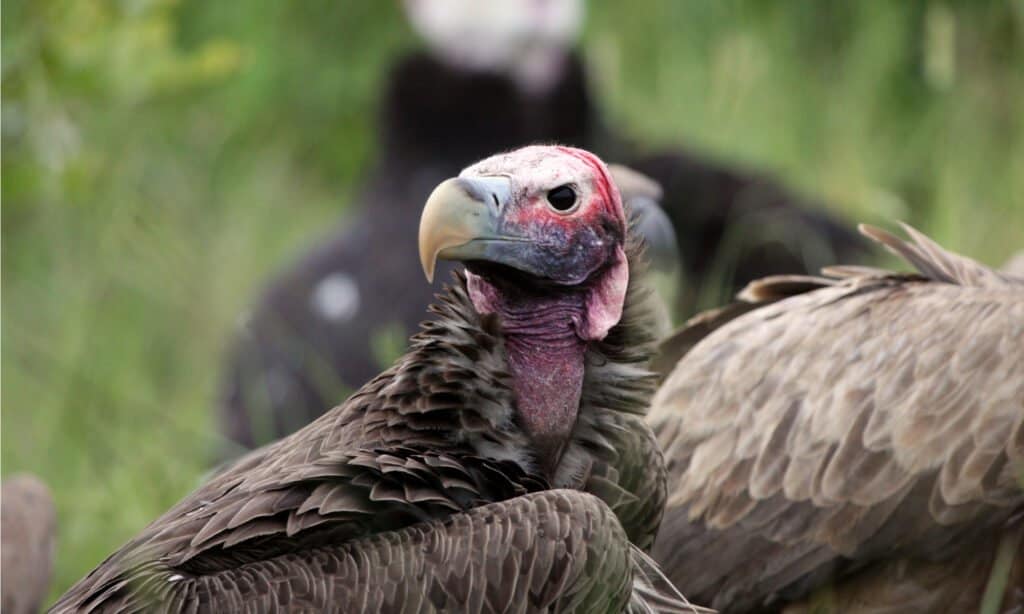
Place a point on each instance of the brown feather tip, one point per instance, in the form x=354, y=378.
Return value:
x=777, y=287
x=933, y=261
x=846, y=271
x=876, y=234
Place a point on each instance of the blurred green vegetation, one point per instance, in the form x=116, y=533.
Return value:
x=161, y=159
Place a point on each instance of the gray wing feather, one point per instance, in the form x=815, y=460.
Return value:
x=557, y=551
x=880, y=412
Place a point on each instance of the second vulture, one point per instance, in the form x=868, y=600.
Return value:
x=503, y=464
x=850, y=444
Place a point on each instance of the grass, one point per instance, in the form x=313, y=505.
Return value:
x=161, y=159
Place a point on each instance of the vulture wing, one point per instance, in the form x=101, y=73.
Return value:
x=870, y=418
x=559, y=549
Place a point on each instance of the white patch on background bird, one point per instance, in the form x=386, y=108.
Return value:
x=279, y=385
x=525, y=39
x=336, y=297
x=244, y=320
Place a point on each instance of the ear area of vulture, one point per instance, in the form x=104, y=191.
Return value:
x=465, y=477
x=853, y=442
x=736, y=225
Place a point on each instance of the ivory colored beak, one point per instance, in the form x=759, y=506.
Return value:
x=460, y=219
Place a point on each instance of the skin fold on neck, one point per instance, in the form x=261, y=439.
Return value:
x=545, y=358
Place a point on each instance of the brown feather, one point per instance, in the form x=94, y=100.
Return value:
x=851, y=421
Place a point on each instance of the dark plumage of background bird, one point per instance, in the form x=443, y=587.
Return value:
x=502, y=464
x=496, y=76
x=852, y=443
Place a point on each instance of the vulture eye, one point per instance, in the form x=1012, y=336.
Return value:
x=562, y=198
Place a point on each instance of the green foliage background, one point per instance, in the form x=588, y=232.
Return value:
x=162, y=158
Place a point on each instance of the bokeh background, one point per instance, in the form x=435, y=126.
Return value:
x=161, y=159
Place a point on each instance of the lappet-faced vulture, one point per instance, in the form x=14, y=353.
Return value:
x=28, y=528
x=851, y=444
x=495, y=75
x=502, y=464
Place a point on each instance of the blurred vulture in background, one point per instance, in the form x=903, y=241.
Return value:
x=496, y=75
x=852, y=443
x=501, y=465
x=28, y=521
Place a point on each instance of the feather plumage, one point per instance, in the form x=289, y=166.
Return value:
x=819, y=428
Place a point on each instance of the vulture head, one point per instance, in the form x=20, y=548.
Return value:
x=542, y=232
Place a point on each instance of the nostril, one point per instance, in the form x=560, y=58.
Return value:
x=487, y=189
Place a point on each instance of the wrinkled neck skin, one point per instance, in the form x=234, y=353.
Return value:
x=545, y=357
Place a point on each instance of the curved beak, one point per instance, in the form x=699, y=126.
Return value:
x=461, y=222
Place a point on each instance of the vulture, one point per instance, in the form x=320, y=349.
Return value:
x=28, y=528
x=850, y=443
x=495, y=75
x=502, y=464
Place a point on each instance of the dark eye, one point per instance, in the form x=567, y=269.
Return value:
x=562, y=198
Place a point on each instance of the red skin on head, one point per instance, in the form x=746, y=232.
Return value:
x=604, y=187
x=605, y=199
x=604, y=306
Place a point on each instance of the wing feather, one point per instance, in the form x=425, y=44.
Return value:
x=874, y=407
